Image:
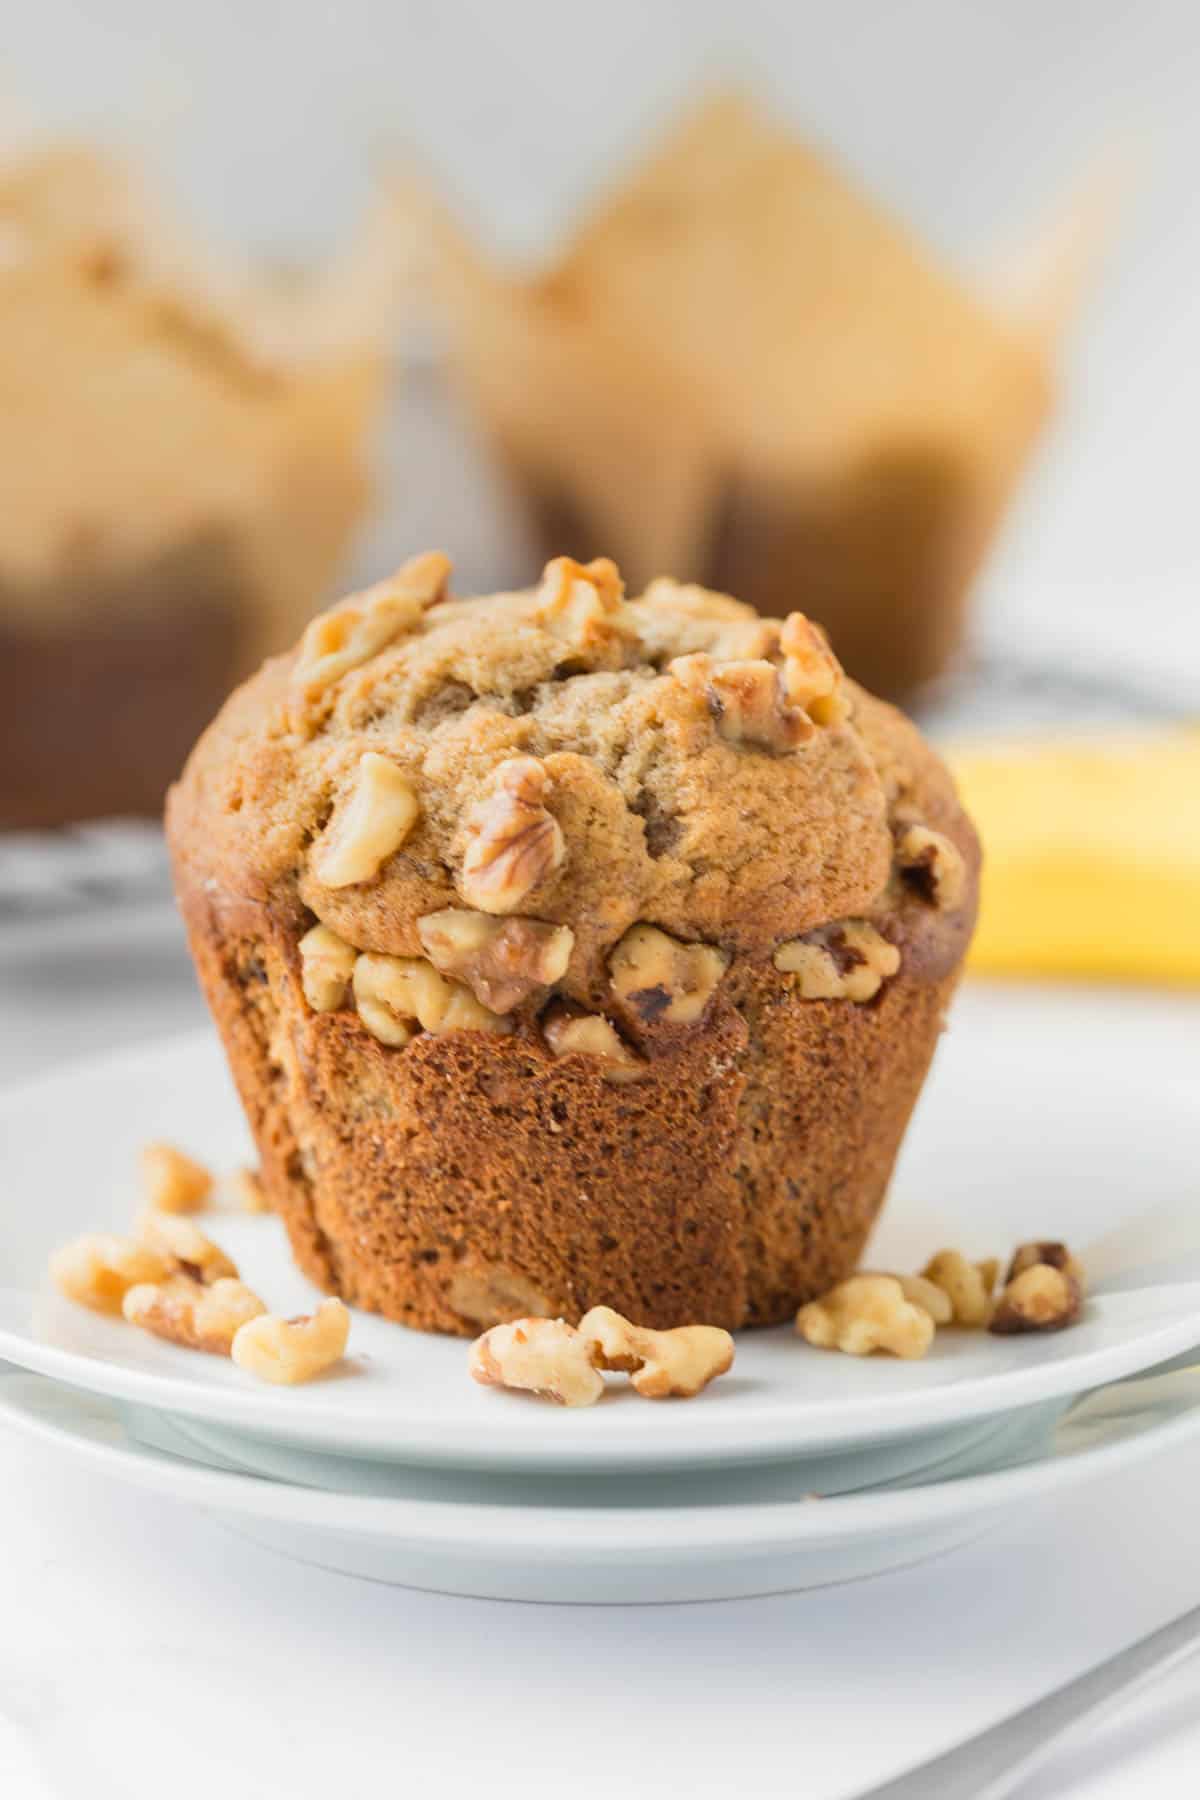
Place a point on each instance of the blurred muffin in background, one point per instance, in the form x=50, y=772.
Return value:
x=741, y=369
x=184, y=456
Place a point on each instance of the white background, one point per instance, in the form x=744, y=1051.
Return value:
x=144, y=1652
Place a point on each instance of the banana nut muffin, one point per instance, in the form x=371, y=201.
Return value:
x=185, y=449
x=570, y=949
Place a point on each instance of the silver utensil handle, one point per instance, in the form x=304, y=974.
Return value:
x=988, y=1766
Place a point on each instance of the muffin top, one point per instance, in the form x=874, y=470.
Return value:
x=457, y=780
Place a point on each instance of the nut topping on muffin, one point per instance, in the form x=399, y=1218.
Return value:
x=747, y=701
x=326, y=965
x=502, y=961
x=371, y=826
x=515, y=842
x=660, y=978
x=932, y=865
x=590, y=1034
x=812, y=674
x=850, y=961
x=339, y=640
x=391, y=991
x=584, y=605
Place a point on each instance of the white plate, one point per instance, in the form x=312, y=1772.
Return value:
x=1047, y=1114
x=666, y=1541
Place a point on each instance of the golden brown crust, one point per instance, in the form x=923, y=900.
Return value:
x=740, y=1173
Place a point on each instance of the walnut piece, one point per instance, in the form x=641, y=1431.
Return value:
x=932, y=865
x=183, y=1246
x=502, y=961
x=848, y=961
x=247, y=1189
x=188, y=1313
x=488, y=1294
x=926, y=1294
x=589, y=1034
x=1040, y=1298
x=584, y=605
x=661, y=1364
x=514, y=842
x=968, y=1286
x=370, y=827
x=394, y=993
x=746, y=701
x=288, y=1351
x=172, y=1182
x=326, y=966
x=359, y=628
x=98, y=1270
x=812, y=674
x=662, y=978
x=541, y=1356
x=747, y=640
x=1045, y=1250
x=864, y=1314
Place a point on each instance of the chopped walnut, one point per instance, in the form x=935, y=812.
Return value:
x=326, y=966
x=246, y=1187
x=289, y=1351
x=746, y=701
x=661, y=1364
x=923, y=1293
x=487, y=1294
x=848, y=961
x=359, y=628
x=380, y=813
x=932, y=865
x=184, y=1247
x=99, y=1270
x=812, y=674
x=747, y=640
x=590, y=1034
x=383, y=1024
x=1044, y=1250
x=1040, y=1298
x=393, y=992
x=584, y=605
x=514, y=842
x=173, y=1183
x=864, y=1314
x=662, y=978
x=968, y=1286
x=541, y=1356
x=188, y=1313
x=502, y=961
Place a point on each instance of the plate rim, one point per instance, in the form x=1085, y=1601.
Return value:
x=564, y=1533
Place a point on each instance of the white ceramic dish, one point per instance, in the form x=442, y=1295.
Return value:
x=668, y=1539
x=1032, y=1124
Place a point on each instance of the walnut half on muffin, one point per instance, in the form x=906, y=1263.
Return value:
x=571, y=949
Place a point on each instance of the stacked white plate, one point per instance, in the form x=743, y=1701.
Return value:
x=1048, y=1114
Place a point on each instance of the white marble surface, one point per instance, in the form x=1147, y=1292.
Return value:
x=146, y=1651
